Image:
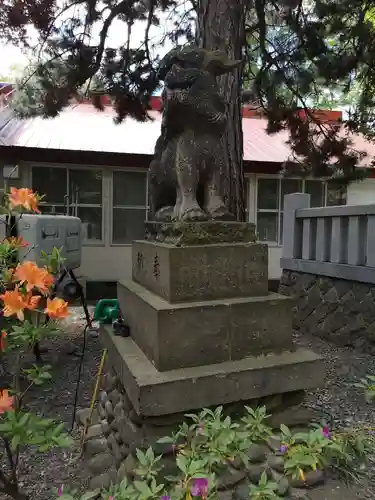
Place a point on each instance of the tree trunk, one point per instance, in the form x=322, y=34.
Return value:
x=221, y=25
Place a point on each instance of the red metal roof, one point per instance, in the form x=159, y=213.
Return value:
x=83, y=128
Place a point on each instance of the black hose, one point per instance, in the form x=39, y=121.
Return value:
x=80, y=366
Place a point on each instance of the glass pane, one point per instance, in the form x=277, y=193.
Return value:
x=268, y=194
x=91, y=218
x=129, y=189
x=267, y=226
x=128, y=225
x=52, y=209
x=50, y=181
x=336, y=195
x=316, y=191
x=85, y=186
x=290, y=186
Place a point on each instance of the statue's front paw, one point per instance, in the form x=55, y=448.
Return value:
x=193, y=214
x=221, y=213
x=165, y=214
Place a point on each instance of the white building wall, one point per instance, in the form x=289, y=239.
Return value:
x=106, y=262
x=361, y=192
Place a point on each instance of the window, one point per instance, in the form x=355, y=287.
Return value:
x=270, y=199
x=75, y=192
x=336, y=195
x=129, y=207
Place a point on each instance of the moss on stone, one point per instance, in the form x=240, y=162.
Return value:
x=200, y=233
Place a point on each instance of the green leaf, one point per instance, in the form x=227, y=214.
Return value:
x=182, y=464
x=143, y=488
x=263, y=479
x=142, y=459
x=90, y=494
x=285, y=430
x=16, y=440
x=166, y=440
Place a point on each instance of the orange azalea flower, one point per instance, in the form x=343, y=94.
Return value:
x=15, y=303
x=25, y=198
x=6, y=401
x=33, y=276
x=32, y=301
x=57, y=308
x=3, y=334
x=17, y=242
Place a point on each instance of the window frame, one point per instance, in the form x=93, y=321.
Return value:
x=141, y=171
x=280, y=210
x=68, y=167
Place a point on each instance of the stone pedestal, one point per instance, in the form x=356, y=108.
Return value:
x=204, y=332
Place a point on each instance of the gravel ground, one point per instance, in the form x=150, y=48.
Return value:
x=41, y=472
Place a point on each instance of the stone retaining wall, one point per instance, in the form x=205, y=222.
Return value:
x=117, y=431
x=337, y=310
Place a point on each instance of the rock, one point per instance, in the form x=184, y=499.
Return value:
x=83, y=414
x=69, y=348
x=242, y=492
x=118, y=438
x=298, y=494
x=237, y=463
x=103, y=397
x=294, y=398
x=114, y=425
x=257, y=453
x=274, y=443
x=312, y=478
x=95, y=446
x=224, y=495
x=118, y=410
x=254, y=472
x=109, y=381
x=110, y=440
x=283, y=485
x=129, y=465
x=100, y=463
x=109, y=411
x=116, y=449
x=135, y=418
x=102, y=412
x=94, y=431
x=103, y=480
x=230, y=478
x=292, y=417
x=130, y=434
x=105, y=427
x=276, y=463
x=272, y=402
x=124, y=450
x=115, y=397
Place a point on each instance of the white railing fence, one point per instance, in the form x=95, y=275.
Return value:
x=334, y=241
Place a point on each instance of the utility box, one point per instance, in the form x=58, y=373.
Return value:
x=46, y=232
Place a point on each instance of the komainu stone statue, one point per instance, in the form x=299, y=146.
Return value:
x=184, y=176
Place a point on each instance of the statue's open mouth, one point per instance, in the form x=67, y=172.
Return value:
x=180, y=78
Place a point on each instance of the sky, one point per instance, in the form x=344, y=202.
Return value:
x=11, y=55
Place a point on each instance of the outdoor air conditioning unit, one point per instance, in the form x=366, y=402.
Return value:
x=45, y=232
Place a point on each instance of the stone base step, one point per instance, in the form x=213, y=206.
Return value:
x=155, y=393
x=210, y=331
